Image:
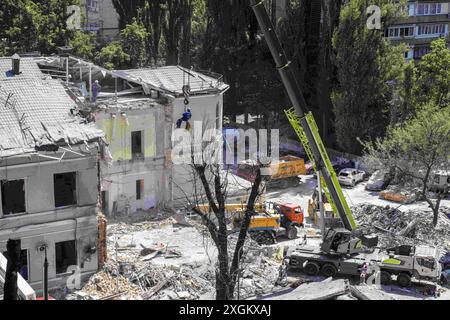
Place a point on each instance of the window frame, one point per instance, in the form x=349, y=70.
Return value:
x=141, y=155
x=76, y=256
x=426, y=9
x=140, y=186
x=76, y=195
x=2, y=214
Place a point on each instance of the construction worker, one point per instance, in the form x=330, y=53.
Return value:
x=282, y=273
x=96, y=87
x=187, y=115
x=364, y=270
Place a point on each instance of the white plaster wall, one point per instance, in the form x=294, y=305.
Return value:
x=110, y=19
x=123, y=191
x=120, y=178
x=209, y=110
x=44, y=224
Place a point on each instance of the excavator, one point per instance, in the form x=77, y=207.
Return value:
x=346, y=240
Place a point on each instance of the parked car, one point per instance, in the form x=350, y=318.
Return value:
x=440, y=182
x=379, y=181
x=350, y=177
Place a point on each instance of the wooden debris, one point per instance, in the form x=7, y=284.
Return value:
x=155, y=289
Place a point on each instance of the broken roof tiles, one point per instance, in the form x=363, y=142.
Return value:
x=28, y=68
x=35, y=112
x=172, y=79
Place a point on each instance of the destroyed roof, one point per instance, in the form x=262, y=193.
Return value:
x=172, y=79
x=35, y=112
x=169, y=79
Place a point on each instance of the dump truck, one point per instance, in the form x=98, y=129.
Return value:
x=276, y=220
x=284, y=173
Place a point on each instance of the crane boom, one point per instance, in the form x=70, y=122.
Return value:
x=301, y=119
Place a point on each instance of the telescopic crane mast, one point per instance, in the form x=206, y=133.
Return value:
x=302, y=121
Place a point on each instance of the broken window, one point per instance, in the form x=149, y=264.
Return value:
x=65, y=189
x=65, y=255
x=13, y=196
x=139, y=189
x=136, y=144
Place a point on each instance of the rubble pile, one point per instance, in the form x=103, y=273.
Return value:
x=104, y=285
x=122, y=228
x=396, y=227
x=160, y=271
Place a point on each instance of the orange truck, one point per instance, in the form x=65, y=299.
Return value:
x=277, y=219
x=284, y=173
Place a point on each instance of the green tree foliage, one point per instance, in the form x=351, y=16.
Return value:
x=168, y=24
x=35, y=25
x=134, y=41
x=83, y=44
x=228, y=46
x=368, y=68
x=416, y=149
x=113, y=56
x=129, y=51
x=433, y=75
x=406, y=94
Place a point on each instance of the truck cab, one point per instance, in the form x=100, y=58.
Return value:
x=407, y=262
x=426, y=263
x=291, y=212
x=291, y=216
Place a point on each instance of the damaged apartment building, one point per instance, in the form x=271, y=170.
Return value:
x=137, y=110
x=48, y=174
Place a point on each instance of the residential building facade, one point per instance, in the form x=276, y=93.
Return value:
x=101, y=18
x=48, y=175
x=425, y=22
x=138, y=110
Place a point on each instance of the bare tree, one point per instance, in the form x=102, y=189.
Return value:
x=210, y=186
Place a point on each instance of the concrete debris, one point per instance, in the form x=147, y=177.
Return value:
x=395, y=227
x=103, y=285
x=158, y=271
x=326, y=290
x=365, y=292
x=347, y=297
x=180, y=219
